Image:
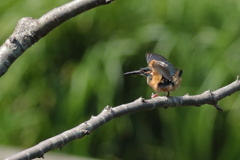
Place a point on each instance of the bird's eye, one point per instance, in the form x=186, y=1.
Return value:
x=145, y=69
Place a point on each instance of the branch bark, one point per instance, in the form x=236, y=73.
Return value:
x=109, y=113
x=29, y=30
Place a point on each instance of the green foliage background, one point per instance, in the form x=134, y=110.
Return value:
x=77, y=69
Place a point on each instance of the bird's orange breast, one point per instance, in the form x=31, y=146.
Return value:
x=156, y=79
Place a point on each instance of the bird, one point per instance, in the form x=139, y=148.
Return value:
x=161, y=75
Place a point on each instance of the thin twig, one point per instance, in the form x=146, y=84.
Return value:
x=110, y=113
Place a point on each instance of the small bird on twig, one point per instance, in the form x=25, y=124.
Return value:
x=161, y=75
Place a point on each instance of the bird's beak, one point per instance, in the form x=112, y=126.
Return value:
x=133, y=72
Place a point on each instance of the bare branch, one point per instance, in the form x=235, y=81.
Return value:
x=110, y=113
x=28, y=30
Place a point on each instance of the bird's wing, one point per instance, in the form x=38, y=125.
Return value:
x=161, y=64
x=151, y=56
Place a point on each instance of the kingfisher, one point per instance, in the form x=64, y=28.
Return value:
x=161, y=75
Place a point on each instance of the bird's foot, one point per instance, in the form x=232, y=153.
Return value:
x=154, y=95
x=168, y=94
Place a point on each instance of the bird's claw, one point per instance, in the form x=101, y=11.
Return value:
x=154, y=95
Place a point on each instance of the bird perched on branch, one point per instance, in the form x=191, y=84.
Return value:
x=161, y=75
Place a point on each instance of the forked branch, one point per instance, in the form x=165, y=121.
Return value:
x=110, y=113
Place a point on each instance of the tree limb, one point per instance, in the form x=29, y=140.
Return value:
x=29, y=30
x=109, y=113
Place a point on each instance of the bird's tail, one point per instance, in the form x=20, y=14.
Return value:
x=176, y=79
